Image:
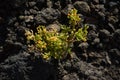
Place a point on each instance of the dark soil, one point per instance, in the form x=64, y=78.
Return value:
x=96, y=59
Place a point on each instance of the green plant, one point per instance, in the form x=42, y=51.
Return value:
x=76, y=34
x=57, y=44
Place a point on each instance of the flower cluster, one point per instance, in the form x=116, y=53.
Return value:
x=54, y=44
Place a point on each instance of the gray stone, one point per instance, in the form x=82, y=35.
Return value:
x=53, y=27
x=100, y=46
x=112, y=19
x=26, y=12
x=115, y=55
x=32, y=3
x=33, y=11
x=102, y=1
x=116, y=36
x=92, y=78
x=67, y=9
x=26, y=18
x=47, y=15
x=82, y=7
x=111, y=4
x=71, y=76
x=84, y=45
x=104, y=33
x=49, y=4
x=95, y=1
x=115, y=11
x=92, y=35
x=111, y=27
x=96, y=41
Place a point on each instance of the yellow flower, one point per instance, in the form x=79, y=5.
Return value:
x=29, y=34
x=54, y=38
x=46, y=56
x=44, y=45
x=44, y=30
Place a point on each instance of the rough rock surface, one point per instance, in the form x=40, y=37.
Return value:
x=96, y=59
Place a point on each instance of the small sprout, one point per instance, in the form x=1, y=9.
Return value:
x=57, y=44
x=29, y=34
x=73, y=17
x=46, y=56
x=81, y=34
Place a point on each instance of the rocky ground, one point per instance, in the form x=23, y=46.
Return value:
x=96, y=59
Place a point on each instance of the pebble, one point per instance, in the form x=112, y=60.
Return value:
x=92, y=27
x=92, y=78
x=101, y=7
x=32, y=3
x=113, y=19
x=26, y=12
x=53, y=27
x=57, y=5
x=117, y=32
x=83, y=45
x=100, y=46
x=95, y=2
x=107, y=58
x=33, y=11
x=102, y=1
x=82, y=7
x=115, y=55
x=47, y=15
x=67, y=9
x=116, y=36
x=49, y=4
x=72, y=76
x=92, y=35
x=104, y=33
x=101, y=15
x=111, y=27
x=96, y=41
x=26, y=18
x=111, y=4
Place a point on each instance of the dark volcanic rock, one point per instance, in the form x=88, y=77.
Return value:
x=82, y=7
x=21, y=67
x=32, y=3
x=104, y=35
x=103, y=1
x=83, y=69
x=67, y=9
x=83, y=45
x=27, y=18
x=72, y=76
x=111, y=4
x=47, y=15
x=115, y=56
x=96, y=59
x=113, y=19
x=53, y=27
x=116, y=39
x=95, y=1
x=92, y=35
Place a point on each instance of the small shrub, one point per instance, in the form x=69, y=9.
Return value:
x=54, y=44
